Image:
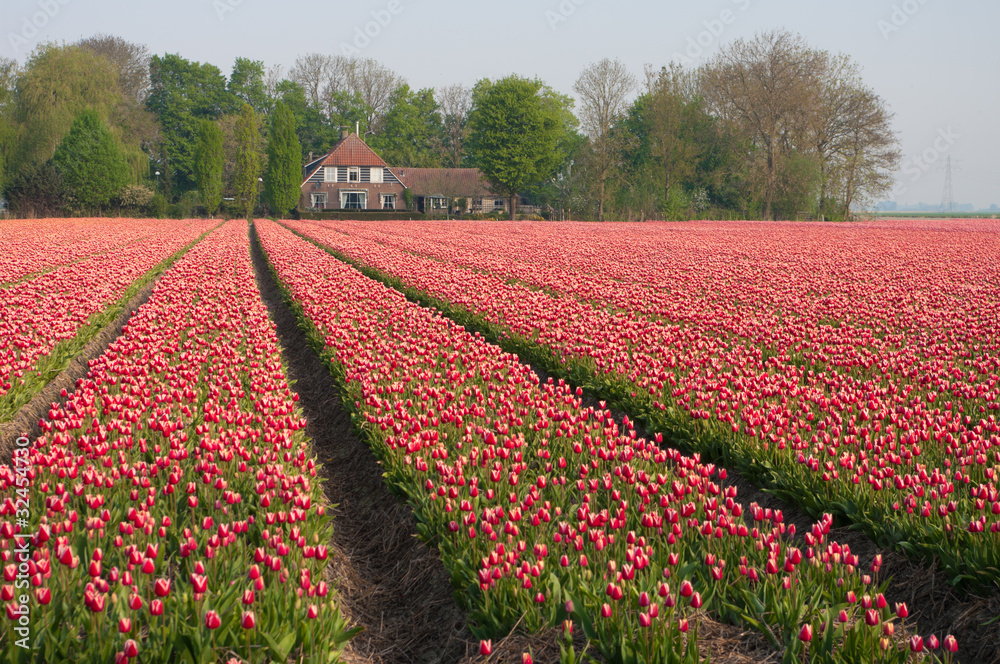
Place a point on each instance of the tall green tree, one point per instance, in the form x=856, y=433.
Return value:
x=55, y=85
x=283, y=178
x=311, y=126
x=247, y=85
x=248, y=161
x=411, y=132
x=516, y=130
x=182, y=93
x=209, y=157
x=90, y=161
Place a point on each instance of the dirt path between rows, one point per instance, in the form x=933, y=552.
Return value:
x=387, y=580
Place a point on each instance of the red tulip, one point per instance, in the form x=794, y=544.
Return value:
x=806, y=633
x=486, y=648
x=162, y=587
x=131, y=649
x=212, y=620
x=249, y=620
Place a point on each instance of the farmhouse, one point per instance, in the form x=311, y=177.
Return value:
x=353, y=177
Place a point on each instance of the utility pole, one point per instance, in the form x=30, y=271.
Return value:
x=948, y=196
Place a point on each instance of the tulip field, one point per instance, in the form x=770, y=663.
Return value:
x=176, y=510
x=173, y=508
x=58, y=293
x=855, y=370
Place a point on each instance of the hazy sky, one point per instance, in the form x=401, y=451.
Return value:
x=936, y=62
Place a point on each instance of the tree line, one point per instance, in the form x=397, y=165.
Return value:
x=769, y=128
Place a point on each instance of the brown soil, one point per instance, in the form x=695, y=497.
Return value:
x=387, y=580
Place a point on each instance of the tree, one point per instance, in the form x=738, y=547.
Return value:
x=37, y=191
x=248, y=85
x=248, y=161
x=314, y=132
x=311, y=71
x=8, y=130
x=375, y=84
x=283, y=178
x=411, y=131
x=90, y=162
x=852, y=135
x=209, y=158
x=870, y=151
x=183, y=93
x=514, y=135
x=766, y=86
x=604, y=88
x=133, y=124
x=56, y=84
x=129, y=59
x=455, y=102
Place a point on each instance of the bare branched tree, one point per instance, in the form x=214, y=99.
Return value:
x=375, y=84
x=131, y=60
x=605, y=89
x=312, y=72
x=768, y=86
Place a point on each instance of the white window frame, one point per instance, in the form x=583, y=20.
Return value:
x=388, y=201
x=354, y=174
x=314, y=197
x=375, y=174
x=329, y=174
x=343, y=199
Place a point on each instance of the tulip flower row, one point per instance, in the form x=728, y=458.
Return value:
x=546, y=511
x=174, y=504
x=45, y=321
x=854, y=370
x=36, y=245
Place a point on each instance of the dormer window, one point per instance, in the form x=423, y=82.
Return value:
x=329, y=173
x=353, y=174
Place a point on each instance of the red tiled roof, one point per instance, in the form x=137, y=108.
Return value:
x=450, y=182
x=350, y=151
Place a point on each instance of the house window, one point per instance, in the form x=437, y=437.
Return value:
x=438, y=203
x=329, y=174
x=388, y=201
x=318, y=200
x=354, y=200
x=498, y=203
x=376, y=174
x=353, y=174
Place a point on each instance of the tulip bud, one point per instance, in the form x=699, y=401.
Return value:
x=212, y=620
x=486, y=647
x=249, y=620
x=806, y=633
